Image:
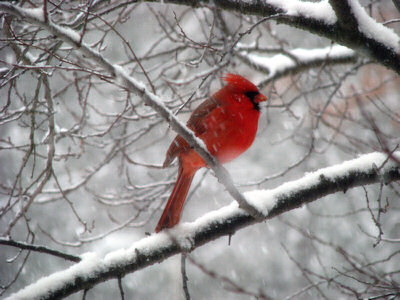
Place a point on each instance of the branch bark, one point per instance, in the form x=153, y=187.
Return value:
x=367, y=169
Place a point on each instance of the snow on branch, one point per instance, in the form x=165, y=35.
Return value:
x=297, y=60
x=367, y=169
x=353, y=17
x=342, y=21
x=317, y=10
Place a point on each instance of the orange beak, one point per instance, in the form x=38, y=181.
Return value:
x=260, y=98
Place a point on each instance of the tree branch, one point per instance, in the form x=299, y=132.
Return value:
x=345, y=15
x=38, y=248
x=367, y=169
x=297, y=60
x=322, y=19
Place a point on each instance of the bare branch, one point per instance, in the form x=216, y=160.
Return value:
x=38, y=248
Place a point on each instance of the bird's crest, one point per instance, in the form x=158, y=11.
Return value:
x=239, y=83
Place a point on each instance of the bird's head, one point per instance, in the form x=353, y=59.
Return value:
x=241, y=85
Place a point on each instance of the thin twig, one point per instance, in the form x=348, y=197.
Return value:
x=185, y=278
x=39, y=248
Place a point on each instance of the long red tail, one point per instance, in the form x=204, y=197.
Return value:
x=172, y=211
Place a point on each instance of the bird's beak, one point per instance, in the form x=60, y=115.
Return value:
x=260, y=98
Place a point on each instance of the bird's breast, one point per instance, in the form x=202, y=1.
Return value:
x=230, y=132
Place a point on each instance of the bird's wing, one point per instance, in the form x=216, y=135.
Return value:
x=196, y=123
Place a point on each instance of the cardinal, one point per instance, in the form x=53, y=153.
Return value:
x=227, y=123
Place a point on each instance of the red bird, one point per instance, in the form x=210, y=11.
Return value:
x=227, y=123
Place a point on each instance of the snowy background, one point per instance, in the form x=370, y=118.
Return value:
x=327, y=104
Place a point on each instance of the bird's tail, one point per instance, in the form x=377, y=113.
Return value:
x=172, y=211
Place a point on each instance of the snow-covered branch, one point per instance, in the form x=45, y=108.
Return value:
x=296, y=60
x=329, y=19
x=367, y=169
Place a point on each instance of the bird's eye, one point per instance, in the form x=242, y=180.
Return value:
x=251, y=95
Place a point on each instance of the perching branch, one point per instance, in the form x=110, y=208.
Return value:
x=367, y=169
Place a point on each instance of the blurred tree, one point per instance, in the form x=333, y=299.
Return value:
x=86, y=92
